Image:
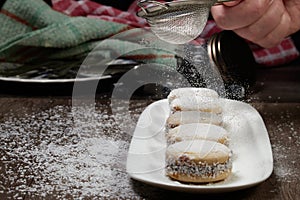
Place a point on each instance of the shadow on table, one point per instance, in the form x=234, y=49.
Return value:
x=150, y=192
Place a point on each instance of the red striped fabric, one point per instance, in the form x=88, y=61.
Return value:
x=283, y=53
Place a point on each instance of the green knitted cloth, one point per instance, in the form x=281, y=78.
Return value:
x=32, y=32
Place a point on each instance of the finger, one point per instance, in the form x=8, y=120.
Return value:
x=278, y=34
x=232, y=3
x=241, y=15
x=264, y=25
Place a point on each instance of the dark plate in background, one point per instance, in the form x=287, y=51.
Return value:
x=57, y=77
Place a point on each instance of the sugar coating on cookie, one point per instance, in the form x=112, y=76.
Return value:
x=198, y=161
x=187, y=117
x=196, y=131
x=196, y=103
x=192, y=91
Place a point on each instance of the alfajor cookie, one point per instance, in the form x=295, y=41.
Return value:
x=197, y=131
x=191, y=91
x=187, y=117
x=198, y=161
x=196, y=103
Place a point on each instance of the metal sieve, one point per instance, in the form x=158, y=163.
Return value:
x=177, y=22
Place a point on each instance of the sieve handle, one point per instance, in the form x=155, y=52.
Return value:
x=144, y=3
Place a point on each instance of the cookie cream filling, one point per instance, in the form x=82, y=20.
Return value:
x=198, y=169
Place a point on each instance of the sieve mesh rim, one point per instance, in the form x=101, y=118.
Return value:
x=156, y=10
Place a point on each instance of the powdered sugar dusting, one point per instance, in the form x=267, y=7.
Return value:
x=52, y=154
x=282, y=124
x=285, y=162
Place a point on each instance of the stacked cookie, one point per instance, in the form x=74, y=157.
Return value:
x=197, y=149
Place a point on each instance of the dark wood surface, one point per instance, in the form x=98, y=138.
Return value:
x=32, y=125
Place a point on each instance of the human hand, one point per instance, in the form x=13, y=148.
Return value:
x=264, y=22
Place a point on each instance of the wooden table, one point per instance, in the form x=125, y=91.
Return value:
x=49, y=151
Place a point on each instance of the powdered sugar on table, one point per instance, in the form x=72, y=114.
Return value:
x=51, y=154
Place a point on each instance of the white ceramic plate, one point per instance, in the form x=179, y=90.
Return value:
x=249, y=141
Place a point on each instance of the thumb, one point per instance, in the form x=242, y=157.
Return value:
x=232, y=3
